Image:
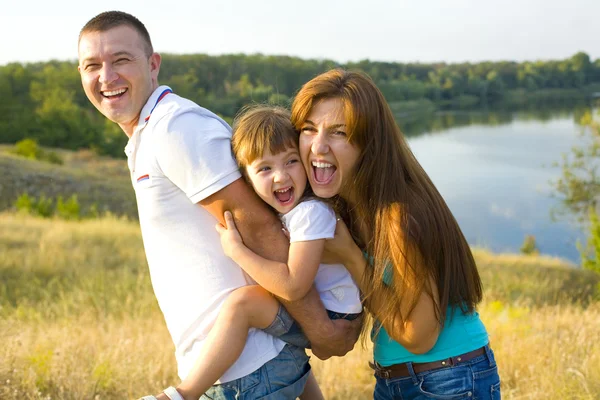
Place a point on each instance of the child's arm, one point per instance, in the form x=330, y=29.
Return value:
x=289, y=281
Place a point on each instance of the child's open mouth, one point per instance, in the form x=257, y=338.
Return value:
x=285, y=195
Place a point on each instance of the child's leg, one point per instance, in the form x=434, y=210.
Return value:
x=312, y=391
x=245, y=308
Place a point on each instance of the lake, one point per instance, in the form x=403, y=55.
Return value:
x=494, y=171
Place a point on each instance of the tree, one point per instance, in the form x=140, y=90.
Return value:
x=579, y=186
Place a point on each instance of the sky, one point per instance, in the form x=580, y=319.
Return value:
x=351, y=30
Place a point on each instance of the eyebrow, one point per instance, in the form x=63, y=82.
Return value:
x=123, y=53
x=308, y=121
x=117, y=54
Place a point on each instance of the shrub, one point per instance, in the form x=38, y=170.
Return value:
x=43, y=207
x=24, y=203
x=52, y=158
x=27, y=148
x=69, y=209
x=590, y=256
x=46, y=207
x=529, y=246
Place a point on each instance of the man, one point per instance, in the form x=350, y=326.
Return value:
x=184, y=178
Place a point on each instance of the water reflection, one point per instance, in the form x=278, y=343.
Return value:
x=416, y=124
x=494, y=169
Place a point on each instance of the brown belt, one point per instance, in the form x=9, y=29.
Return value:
x=401, y=370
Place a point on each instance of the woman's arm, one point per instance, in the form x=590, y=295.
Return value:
x=419, y=332
x=289, y=281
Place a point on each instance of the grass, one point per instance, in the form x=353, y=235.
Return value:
x=78, y=320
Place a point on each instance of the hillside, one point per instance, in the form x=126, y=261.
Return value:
x=100, y=180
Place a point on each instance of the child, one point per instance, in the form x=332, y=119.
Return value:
x=265, y=145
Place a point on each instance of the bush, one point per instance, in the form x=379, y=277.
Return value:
x=46, y=207
x=529, y=246
x=29, y=148
x=52, y=158
x=43, y=207
x=69, y=209
x=24, y=203
x=590, y=256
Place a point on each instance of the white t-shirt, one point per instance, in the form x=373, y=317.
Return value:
x=313, y=220
x=179, y=157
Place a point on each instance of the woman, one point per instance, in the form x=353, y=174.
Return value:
x=412, y=263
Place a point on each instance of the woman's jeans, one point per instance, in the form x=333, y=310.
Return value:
x=475, y=379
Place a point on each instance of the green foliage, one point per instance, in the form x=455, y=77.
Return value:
x=578, y=188
x=29, y=148
x=69, y=209
x=52, y=157
x=590, y=256
x=24, y=204
x=46, y=207
x=529, y=246
x=46, y=102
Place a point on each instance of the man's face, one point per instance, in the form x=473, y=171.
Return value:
x=116, y=73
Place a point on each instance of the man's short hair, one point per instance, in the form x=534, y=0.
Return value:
x=112, y=19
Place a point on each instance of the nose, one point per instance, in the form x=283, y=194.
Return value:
x=280, y=175
x=319, y=145
x=107, y=74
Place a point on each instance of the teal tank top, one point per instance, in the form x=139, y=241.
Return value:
x=461, y=334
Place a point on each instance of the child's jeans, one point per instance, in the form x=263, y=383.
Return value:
x=285, y=328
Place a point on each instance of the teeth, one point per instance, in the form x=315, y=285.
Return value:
x=320, y=164
x=283, y=190
x=114, y=92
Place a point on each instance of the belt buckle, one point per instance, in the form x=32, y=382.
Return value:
x=382, y=373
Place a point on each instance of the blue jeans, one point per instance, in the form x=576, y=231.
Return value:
x=285, y=328
x=475, y=379
x=281, y=378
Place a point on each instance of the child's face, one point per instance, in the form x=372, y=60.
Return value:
x=279, y=179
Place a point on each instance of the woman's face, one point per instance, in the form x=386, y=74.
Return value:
x=328, y=157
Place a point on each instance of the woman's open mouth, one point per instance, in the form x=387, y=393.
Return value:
x=323, y=172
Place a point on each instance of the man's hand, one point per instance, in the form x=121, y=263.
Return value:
x=339, y=340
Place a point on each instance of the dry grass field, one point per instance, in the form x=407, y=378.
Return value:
x=78, y=320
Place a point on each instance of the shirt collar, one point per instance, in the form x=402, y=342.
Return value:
x=130, y=148
x=150, y=104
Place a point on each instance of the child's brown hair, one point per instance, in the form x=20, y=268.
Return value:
x=258, y=128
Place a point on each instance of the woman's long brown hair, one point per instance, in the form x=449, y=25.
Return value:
x=396, y=213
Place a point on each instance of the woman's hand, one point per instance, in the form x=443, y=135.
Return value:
x=230, y=237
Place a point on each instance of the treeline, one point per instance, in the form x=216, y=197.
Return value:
x=45, y=101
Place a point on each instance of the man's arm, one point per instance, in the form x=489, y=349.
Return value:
x=262, y=232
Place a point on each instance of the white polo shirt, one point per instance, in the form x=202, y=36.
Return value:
x=180, y=156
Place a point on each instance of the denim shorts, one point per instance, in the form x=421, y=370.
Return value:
x=476, y=379
x=281, y=378
x=285, y=328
